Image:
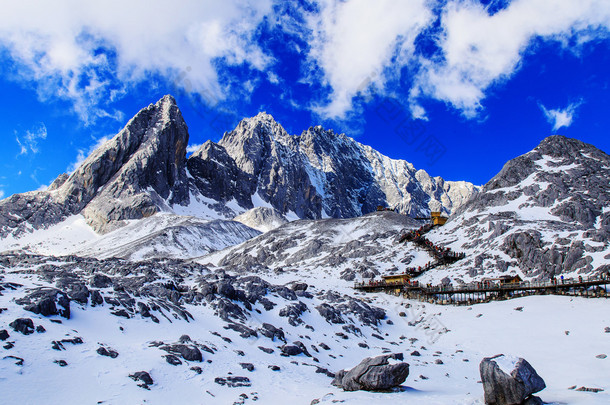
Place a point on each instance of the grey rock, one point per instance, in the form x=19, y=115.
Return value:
x=101, y=281
x=509, y=386
x=233, y=381
x=4, y=334
x=102, y=351
x=187, y=352
x=144, y=377
x=173, y=360
x=272, y=332
x=373, y=374
x=46, y=302
x=23, y=325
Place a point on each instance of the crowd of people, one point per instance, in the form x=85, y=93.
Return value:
x=442, y=254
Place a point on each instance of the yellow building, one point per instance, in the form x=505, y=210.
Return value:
x=437, y=218
x=396, y=278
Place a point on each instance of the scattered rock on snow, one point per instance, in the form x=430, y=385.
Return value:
x=4, y=334
x=46, y=302
x=233, y=381
x=508, y=380
x=173, y=360
x=144, y=377
x=187, y=352
x=102, y=351
x=373, y=374
x=23, y=325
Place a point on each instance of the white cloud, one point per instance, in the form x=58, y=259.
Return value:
x=59, y=46
x=360, y=45
x=353, y=42
x=561, y=118
x=29, y=141
x=1, y=194
x=479, y=50
x=193, y=148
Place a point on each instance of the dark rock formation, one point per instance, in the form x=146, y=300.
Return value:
x=508, y=380
x=23, y=325
x=373, y=374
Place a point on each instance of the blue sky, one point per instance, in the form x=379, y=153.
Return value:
x=456, y=87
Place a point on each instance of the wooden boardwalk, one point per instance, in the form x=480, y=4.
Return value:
x=487, y=291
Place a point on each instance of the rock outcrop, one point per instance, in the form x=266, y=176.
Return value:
x=373, y=374
x=509, y=380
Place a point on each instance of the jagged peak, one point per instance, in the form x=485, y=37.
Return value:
x=561, y=146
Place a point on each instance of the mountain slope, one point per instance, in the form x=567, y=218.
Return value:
x=545, y=214
x=132, y=176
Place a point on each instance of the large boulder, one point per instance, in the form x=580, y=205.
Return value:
x=46, y=302
x=373, y=374
x=509, y=380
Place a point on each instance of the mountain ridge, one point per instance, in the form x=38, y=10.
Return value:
x=144, y=170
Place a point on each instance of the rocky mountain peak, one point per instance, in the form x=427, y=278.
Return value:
x=133, y=175
x=560, y=146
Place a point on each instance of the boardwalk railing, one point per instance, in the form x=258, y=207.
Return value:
x=487, y=289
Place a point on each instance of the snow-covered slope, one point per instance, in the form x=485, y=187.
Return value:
x=547, y=213
x=160, y=236
x=192, y=329
x=338, y=249
x=263, y=219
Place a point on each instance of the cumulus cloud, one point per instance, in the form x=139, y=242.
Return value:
x=359, y=45
x=354, y=42
x=193, y=148
x=90, y=52
x=561, y=118
x=28, y=142
x=479, y=49
x=93, y=53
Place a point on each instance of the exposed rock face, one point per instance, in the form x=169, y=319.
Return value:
x=544, y=214
x=143, y=170
x=133, y=175
x=321, y=173
x=508, y=380
x=373, y=374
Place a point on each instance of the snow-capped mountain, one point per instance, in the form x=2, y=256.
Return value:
x=546, y=213
x=183, y=281
x=143, y=171
x=322, y=174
